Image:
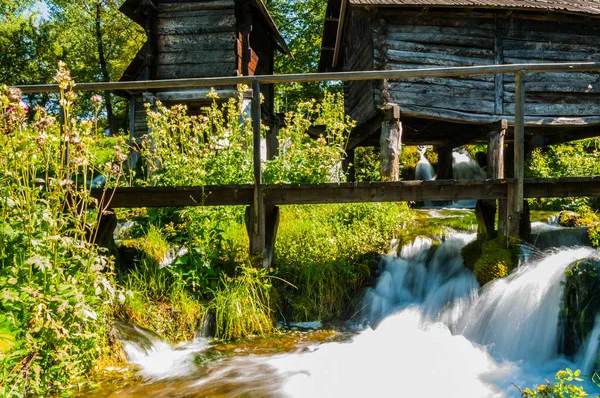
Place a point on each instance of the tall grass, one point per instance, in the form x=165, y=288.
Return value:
x=242, y=307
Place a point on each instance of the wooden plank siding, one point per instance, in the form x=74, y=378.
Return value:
x=358, y=55
x=415, y=39
x=553, y=94
x=421, y=41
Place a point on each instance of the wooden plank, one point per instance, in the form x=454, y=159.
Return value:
x=207, y=69
x=435, y=38
x=196, y=57
x=426, y=48
x=205, y=22
x=242, y=195
x=432, y=58
x=499, y=60
x=169, y=7
x=555, y=109
x=463, y=104
x=424, y=28
x=574, y=86
x=194, y=42
x=455, y=90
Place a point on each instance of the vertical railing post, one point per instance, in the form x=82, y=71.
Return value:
x=515, y=192
x=257, y=228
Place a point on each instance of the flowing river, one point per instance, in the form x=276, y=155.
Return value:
x=425, y=329
x=433, y=332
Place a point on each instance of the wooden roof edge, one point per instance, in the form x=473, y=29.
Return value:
x=275, y=30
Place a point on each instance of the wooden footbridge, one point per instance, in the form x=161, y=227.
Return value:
x=262, y=200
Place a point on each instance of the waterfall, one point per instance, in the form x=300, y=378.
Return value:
x=589, y=352
x=464, y=167
x=437, y=334
x=433, y=332
x=424, y=170
x=155, y=358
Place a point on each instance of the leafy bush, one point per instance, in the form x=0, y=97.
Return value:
x=562, y=388
x=575, y=159
x=56, y=285
x=306, y=160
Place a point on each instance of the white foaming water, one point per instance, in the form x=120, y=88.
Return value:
x=158, y=359
x=436, y=335
x=589, y=351
x=465, y=168
x=443, y=337
x=517, y=316
x=424, y=170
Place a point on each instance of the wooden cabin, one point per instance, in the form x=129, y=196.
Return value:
x=195, y=39
x=449, y=112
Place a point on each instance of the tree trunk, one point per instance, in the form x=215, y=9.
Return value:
x=103, y=67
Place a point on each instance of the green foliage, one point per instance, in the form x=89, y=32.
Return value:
x=580, y=303
x=496, y=261
x=214, y=148
x=471, y=253
x=583, y=216
x=55, y=284
x=576, y=159
x=303, y=159
x=594, y=235
x=301, y=24
x=562, y=388
x=242, y=306
x=327, y=251
x=159, y=300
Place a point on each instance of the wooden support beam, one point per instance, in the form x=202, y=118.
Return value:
x=496, y=166
x=390, y=143
x=243, y=195
x=272, y=225
x=444, y=171
x=515, y=192
x=485, y=210
x=257, y=213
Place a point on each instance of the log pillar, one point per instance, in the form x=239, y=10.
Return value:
x=515, y=191
x=390, y=142
x=255, y=215
x=444, y=171
x=486, y=209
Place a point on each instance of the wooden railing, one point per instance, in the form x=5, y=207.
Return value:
x=257, y=196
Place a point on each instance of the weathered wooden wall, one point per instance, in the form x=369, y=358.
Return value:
x=358, y=55
x=196, y=39
x=407, y=39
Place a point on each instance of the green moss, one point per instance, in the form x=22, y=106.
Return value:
x=496, y=260
x=583, y=217
x=580, y=303
x=471, y=253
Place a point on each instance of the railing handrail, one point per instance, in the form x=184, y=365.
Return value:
x=320, y=77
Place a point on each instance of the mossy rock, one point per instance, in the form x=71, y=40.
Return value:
x=580, y=303
x=471, y=253
x=496, y=261
x=584, y=218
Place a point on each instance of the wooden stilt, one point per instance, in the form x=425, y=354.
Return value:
x=515, y=191
x=257, y=219
x=444, y=171
x=495, y=171
x=391, y=145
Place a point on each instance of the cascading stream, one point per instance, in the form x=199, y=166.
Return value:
x=436, y=334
